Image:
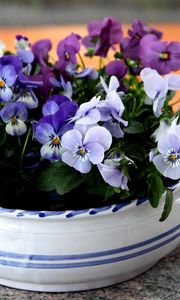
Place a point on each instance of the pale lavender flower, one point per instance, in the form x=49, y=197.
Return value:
x=88, y=113
x=168, y=159
x=83, y=146
x=15, y=115
x=112, y=109
x=112, y=174
x=156, y=88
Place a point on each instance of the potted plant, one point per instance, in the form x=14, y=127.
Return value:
x=89, y=158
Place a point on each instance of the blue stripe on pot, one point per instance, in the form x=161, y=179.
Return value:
x=30, y=265
x=135, y=246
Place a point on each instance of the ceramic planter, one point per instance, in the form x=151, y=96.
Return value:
x=79, y=250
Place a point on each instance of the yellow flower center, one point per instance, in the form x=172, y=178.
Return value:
x=14, y=121
x=2, y=83
x=164, y=55
x=56, y=140
x=173, y=157
x=82, y=151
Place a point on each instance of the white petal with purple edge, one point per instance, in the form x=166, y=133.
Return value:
x=50, y=153
x=112, y=176
x=5, y=94
x=98, y=135
x=69, y=158
x=16, y=129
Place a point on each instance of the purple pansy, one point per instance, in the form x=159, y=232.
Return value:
x=85, y=146
x=103, y=35
x=13, y=61
x=41, y=49
x=15, y=115
x=88, y=113
x=156, y=88
x=117, y=68
x=67, y=50
x=168, y=159
x=161, y=56
x=112, y=174
x=48, y=132
x=130, y=45
x=60, y=103
x=7, y=79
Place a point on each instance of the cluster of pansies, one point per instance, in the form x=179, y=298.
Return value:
x=107, y=133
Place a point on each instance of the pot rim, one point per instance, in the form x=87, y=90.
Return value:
x=69, y=214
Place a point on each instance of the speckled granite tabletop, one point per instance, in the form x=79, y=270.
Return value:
x=162, y=282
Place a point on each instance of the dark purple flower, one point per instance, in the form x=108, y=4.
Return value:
x=15, y=115
x=130, y=45
x=103, y=35
x=67, y=50
x=140, y=29
x=7, y=79
x=116, y=68
x=41, y=49
x=12, y=60
x=161, y=56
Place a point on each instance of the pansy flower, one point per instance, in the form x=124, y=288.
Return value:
x=156, y=87
x=112, y=174
x=7, y=79
x=103, y=35
x=51, y=127
x=168, y=159
x=15, y=115
x=112, y=108
x=83, y=146
x=162, y=56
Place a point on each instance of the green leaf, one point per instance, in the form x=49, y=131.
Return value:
x=167, y=206
x=134, y=127
x=59, y=177
x=135, y=151
x=155, y=189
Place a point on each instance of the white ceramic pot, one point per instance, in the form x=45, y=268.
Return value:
x=79, y=250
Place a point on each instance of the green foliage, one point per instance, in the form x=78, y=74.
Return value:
x=168, y=205
x=155, y=189
x=59, y=177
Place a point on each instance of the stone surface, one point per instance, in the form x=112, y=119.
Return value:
x=162, y=282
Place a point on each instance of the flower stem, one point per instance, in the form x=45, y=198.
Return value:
x=81, y=60
x=24, y=147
